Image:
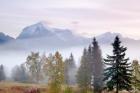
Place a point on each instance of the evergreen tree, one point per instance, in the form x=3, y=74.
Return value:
x=97, y=67
x=84, y=73
x=90, y=62
x=20, y=74
x=136, y=74
x=66, y=71
x=70, y=70
x=118, y=72
x=2, y=73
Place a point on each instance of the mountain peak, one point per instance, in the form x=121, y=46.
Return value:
x=108, y=37
x=36, y=30
x=44, y=33
x=41, y=29
x=41, y=24
x=5, y=38
x=113, y=34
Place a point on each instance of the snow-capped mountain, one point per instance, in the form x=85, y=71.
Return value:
x=36, y=31
x=41, y=33
x=107, y=37
x=5, y=38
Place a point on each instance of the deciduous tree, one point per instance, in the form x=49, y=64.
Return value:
x=34, y=66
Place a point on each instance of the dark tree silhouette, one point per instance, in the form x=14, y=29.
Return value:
x=118, y=73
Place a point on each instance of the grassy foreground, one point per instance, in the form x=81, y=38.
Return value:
x=12, y=87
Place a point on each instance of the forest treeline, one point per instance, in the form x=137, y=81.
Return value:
x=94, y=75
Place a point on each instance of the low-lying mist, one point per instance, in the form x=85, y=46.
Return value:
x=11, y=57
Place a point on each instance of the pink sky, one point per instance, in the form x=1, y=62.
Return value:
x=85, y=17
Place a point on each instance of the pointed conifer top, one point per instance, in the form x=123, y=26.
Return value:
x=95, y=43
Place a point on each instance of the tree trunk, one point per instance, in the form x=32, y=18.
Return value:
x=117, y=90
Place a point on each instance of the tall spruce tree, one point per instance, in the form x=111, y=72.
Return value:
x=118, y=72
x=90, y=62
x=2, y=73
x=97, y=67
x=70, y=70
x=84, y=73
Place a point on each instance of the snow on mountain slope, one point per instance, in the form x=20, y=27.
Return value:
x=5, y=38
x=35, y=31
x=45, y=34
x=40, y=35
x=107, y=37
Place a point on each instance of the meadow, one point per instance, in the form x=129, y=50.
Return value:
x=12, y=87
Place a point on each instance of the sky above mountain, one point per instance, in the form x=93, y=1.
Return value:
x=85, y=17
